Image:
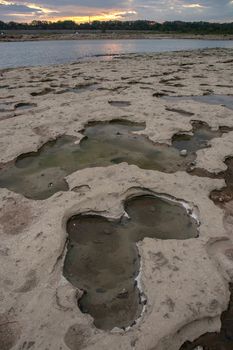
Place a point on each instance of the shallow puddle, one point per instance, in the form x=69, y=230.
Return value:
x=43, y=92
x=40, y=174
x=103, y=261
x=216, y=341
x=79, y=88
x=202, y=133
x=224, y=100
x=119, y=104
x=180, y=111
x=23, y=106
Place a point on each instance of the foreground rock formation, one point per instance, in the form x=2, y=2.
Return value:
x=185, y=283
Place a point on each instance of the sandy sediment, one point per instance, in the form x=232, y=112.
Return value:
x=33, y=35
x=185, y=282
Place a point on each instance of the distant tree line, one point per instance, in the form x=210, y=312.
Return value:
x=140, y=25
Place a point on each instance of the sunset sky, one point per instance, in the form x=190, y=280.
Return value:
x=80, y=10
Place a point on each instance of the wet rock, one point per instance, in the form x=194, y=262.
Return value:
x=216, y=341
x=123, y=294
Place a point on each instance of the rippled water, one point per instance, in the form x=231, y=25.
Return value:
x=34, y=53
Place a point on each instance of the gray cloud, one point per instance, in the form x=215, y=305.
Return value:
x=159, y=10
x=108, y=4
x=18, y=9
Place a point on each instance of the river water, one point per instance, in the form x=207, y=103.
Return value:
x=42, y=53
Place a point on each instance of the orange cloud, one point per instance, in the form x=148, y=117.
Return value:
x=79, y=14
x=106, y=16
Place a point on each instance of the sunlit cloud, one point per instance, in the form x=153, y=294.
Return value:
x=23, y=6
x=193, y=6
x=85, y=10
x=109, y=16
x=40, y=8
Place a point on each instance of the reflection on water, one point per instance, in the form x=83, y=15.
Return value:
x=223, y=100
x=202, y=134
x=40, y=174
x=103, y=261
x=16, y=54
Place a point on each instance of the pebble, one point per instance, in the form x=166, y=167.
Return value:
x=183, y=152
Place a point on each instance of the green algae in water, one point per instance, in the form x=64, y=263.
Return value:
x=39, y=175
x=103, y=261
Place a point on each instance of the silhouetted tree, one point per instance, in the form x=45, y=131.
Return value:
x=140, y=25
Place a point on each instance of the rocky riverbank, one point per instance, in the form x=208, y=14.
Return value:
x=185, y=282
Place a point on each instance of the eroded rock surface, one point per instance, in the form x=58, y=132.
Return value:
x=186, y=283
x=103, y=260
x=38, y=175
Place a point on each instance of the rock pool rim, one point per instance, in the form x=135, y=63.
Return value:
x=194, y=123
x=121, y=120
x=90, y=123
x=96, y=133
x=138, y=193
x=225, y=193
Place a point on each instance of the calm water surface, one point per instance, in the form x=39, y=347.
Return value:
x=39, y=175
x=18, y=54
x=103, y=260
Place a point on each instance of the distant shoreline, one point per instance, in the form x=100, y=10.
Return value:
x=40, y=35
